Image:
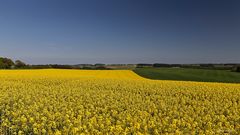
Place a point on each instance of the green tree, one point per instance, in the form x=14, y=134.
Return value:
x=238, y=69
x=19, y=64
x=6, y=63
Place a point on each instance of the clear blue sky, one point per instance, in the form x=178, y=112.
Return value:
x=120, y=31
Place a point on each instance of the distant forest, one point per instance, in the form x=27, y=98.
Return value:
x=228, y=66
x=7, y=63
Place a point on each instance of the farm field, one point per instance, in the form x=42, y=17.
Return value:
x=113, y=102
x=187, y=74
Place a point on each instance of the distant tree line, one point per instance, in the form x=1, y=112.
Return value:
x=57, y=66
x=229, y=66
x=6, y=63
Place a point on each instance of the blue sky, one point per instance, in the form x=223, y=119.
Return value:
x=120, y=31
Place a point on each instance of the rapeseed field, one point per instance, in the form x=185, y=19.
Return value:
x=101, y=102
